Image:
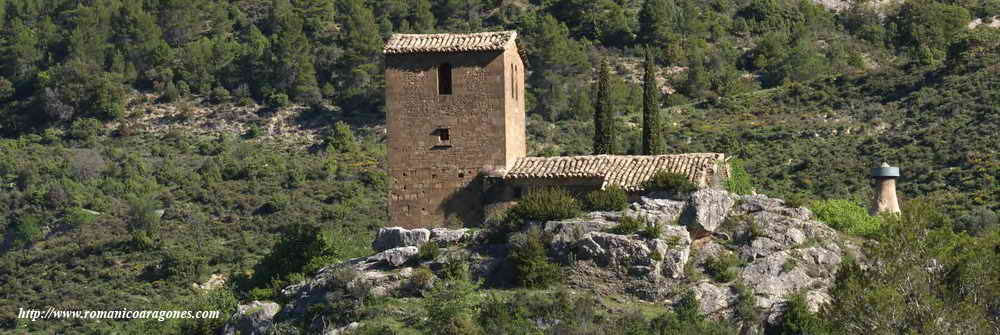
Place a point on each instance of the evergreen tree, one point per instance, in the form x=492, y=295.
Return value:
x=293, y=69
x=656, y=22
x=652, y=140
x=422, y=18
x=603, y=115
x=358, y=67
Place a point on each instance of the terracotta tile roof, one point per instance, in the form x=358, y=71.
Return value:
x=415, y=43
x=628, y=172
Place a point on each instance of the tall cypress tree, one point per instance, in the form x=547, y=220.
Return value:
x=652, y=140
x=603, y=116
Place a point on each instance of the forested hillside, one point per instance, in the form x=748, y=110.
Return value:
x=109, y=197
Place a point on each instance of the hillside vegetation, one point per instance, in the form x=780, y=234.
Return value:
x=149, y=145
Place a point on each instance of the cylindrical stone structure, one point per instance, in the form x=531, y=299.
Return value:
x=885, y=190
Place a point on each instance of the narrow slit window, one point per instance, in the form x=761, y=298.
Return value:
x=513, y=89
x=444, y=79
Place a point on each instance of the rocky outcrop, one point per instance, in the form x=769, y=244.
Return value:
x=706, y=210
x=662, y=211
x=775, y=251
x=395, y=237
x=254, y=318
x=445, y=236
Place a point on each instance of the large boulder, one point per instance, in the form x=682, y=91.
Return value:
x=750, y=204
x=394, y=257
x=706, y=210
x=638, y=256
x=676, y=251
x=781, y=274
x=445, y=236
x=662, y=211
x=395, y=237
x=255, y=318
x=715, y=301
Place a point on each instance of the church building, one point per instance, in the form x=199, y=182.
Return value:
x=456, y=134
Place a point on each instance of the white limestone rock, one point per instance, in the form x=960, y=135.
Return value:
x=395, y=237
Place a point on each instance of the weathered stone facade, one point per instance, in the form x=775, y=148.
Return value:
x=454, y=106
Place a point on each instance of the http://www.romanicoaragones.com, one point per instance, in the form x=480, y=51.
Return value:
x=118, y=314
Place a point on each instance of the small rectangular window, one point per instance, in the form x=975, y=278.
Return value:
x=444, y=79
x=443, y=138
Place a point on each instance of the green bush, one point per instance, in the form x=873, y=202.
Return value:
x=532, y=267
x=28, y=230
x=847, y=216
x=650, y=230
x=610, y=199
x=220, y=95
x=739, y=181
x=675, y=183
x=797, y=319
x=628, y=225
x=77, y=217
x=277, y=100
x=636, y=225
x=183, y=265
x=723, y=268
x=545, y=204
x=797, y=200
x=85, y=129
x=428, y=251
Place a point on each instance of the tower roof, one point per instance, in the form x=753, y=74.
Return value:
x=419, y=43
x=627, y=172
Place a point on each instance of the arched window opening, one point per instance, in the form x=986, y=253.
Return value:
x=444, y=79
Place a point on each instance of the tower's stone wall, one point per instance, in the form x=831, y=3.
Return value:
x=435, y=181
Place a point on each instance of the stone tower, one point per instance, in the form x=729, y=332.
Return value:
x=885, y=190
x=454, y=107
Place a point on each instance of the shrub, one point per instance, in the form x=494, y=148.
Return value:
x=545, y=204
x=220, y=95
x=28, y=230
x=277, y=100
x=739, y=181
x=77, y=217
x=450, y=308
x=723, y=267
x=422, y=279
x=746, y=302
x=610, y=199
x=797, y=319
x=675, y=183
x=847, y=216
x=183, y=265
x=253, y=131
x=428, y=251
x=628, y=225
x=636, y=225
x=531, y=264
x=797, y=200
x=455, y=268
x=85, y=129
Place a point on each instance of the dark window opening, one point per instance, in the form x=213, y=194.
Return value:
x=444, y=136
x=444, y=79
x=513, y=89
x=518, y=192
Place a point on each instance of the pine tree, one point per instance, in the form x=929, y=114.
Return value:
x=603, y=116
x=422, y=18
x=652, y=140
x=656, y=19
